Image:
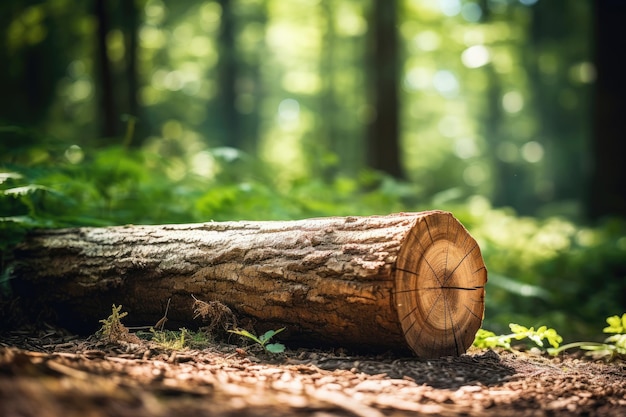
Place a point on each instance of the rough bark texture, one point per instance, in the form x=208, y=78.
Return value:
x=383, y=282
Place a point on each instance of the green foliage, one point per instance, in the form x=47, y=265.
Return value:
x=179, y=339
x=463, y=116
x=112, y=330
x=170, y=339
x=487, y=339
x=20, y=208
x=616, y=324
x=613, y=346
x=263, y=340
x=112, y=322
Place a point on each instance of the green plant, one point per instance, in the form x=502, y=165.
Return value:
x=113, y=331
x=613, y=346
x=169, y=339
x=263, y=339
x=487, y=339
x=178, y=339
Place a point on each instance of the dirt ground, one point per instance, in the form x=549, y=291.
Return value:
x=53, y=373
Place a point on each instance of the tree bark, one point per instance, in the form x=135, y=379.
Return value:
x=411, y=280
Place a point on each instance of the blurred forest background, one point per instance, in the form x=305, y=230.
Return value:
x=509, y=113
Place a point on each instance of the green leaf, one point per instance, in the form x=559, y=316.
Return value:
x=553, y=337
x=616, y=324
x=487, y=339
x=269, y=334
x=5, y=176
x=266, y=336
x=25, y=189
x=519, y=331
x=263, y=339
x=536, y=338
x=275, y=348
x=245, y=333
x=619, y=341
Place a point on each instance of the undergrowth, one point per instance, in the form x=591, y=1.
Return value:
x=113, y=331
x=613, y=346
x=216, y=314
x=262, y=341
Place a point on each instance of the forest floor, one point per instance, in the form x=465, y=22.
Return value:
x=54, y=373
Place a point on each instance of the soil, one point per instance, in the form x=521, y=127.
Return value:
x=54, y=373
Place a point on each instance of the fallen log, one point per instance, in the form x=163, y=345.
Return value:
x=412, y=280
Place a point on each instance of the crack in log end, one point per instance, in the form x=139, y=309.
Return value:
x=439, y=289
x=480, y=287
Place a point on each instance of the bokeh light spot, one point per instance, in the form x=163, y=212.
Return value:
x=450, y=7
x=74, y=154
x=475, y=56
x=446, y=83
x=474, y=175
x=512, y=102
x=532, y=152
x=427, y=40
x=465, y=148
x=471, y=12
x=288, y=112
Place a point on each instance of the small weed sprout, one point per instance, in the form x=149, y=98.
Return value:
x=113, y=331
x=169, y=339
x=263, y=340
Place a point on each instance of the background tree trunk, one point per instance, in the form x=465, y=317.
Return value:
x=104, y=72
x=384, y=132
x=390, y=282
x=227, y=79
x=606, y=190
x=130, y=27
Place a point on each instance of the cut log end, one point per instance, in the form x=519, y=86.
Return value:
x=439, y=287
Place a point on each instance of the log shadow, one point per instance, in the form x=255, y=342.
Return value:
x=442, y=373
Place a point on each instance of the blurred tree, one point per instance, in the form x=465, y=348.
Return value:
x=383, y=137
x=511, y=178
x=328, y=103
x=227, y=122
x=607, y=194
x=31, y=63
x=38, y=41
x=554, y=52
x=508, y=177
x=250, y=88
x=130, y=27
x=104, y=76
x=117, y=80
